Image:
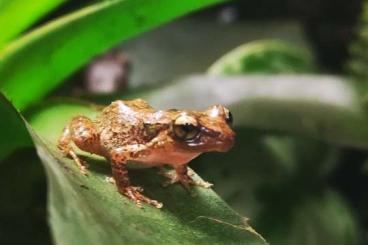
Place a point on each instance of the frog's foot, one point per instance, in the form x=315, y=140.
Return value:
x=121, y=179
x=184, y=179
x=67, y=149
x=202, y=183
x=166, y=173
x=82, y=165
x=134, y=194
x=171, y=176
x=110, y=180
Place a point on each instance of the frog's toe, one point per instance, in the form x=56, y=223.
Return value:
x=110, y=180
x=83, y=169
x=169, y=174
x=170, y=181
x=134, y=193
x=202, y=183
x=187, y=182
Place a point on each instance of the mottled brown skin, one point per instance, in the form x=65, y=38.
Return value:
x=133, y=130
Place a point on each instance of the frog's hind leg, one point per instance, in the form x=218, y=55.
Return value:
x=82, y=133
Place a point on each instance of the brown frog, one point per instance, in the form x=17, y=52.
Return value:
x=133, y=130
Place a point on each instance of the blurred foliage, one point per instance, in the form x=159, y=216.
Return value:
x=22, y=199
x=67, y=43
x=328, y=24
x=358, y=65
x=13, y=23
x=265, y=57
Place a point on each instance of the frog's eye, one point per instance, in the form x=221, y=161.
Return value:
x=185, y=127
x=228, y=117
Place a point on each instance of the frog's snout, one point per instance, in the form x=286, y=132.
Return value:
x=225, y=142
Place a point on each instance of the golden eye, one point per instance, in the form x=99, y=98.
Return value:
x=228, y=117
x=185, y=127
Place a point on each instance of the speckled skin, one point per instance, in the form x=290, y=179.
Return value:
x=133, y=130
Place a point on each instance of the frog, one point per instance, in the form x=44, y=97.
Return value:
x=133, y=131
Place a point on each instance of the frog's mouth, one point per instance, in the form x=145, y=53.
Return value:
x=220, y=146
x=225, y=144
x=210, y=140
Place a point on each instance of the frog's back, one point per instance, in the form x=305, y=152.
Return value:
x=122, y=123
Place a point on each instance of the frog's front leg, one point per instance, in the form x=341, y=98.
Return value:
x=118, y=160
x=82, y=132
x=182, y=175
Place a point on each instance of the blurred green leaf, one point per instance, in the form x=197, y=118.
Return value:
x=12, y=130
x=322, y=218
x=357, y=64
x=17, y=15
x=322, y=107
x=23, y=200
x=36, y=63
x=91, y=211
x=264, y=57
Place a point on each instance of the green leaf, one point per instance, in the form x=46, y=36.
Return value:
x=35, y=64
x=23, y=199
x=17, y=15
x=91, y=211
x=12, y=130
x=265, y=57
